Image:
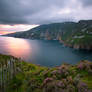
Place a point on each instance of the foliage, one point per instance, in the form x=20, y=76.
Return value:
x=33, y=78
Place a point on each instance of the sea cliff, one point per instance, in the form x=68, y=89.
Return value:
x=73, y=34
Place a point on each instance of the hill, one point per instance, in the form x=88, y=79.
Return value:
x=77, y=35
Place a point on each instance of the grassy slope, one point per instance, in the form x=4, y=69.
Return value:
x=83, y=28
x=34, y=78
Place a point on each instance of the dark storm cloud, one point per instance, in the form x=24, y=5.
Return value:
x=41, y=11
x=86, y=2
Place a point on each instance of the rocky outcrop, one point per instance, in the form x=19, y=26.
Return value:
x=82, y=47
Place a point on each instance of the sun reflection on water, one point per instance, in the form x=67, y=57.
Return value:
x=18, y=47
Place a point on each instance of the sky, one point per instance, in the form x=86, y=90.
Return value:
x=22, y=15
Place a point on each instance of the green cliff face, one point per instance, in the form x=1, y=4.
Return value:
x=82, y=38
x=19, y=76
x=77, y=35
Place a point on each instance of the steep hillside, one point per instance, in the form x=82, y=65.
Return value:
x=49, y=31
x=19, y=76
x=82, y=38
x=77, y=35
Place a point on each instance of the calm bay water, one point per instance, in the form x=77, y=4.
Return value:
x=42, y=52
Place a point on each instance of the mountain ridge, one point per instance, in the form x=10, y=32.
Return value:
x=72, y=34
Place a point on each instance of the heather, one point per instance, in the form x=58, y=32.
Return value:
x=17, y=75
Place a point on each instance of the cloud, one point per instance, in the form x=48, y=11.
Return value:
x=43, y=11
x=86, y=3
x=15, y=28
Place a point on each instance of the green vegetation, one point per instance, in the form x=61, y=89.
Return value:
x=19, y=76
x=77, y=35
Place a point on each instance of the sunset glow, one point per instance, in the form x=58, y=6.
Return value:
x=5, y=32
x=5, y=29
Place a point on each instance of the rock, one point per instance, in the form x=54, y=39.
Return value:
x=75, y=46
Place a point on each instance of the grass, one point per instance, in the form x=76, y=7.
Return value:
x=30, y=77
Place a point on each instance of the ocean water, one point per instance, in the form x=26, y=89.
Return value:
x=42, y=52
